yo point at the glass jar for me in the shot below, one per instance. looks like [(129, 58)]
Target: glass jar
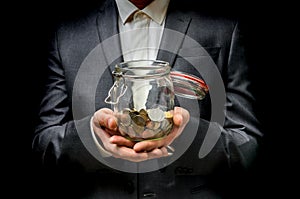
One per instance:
[(142, 98)]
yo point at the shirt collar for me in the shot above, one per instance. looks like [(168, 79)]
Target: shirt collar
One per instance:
[(156, 10)]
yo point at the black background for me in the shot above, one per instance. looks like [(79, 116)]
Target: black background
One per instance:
[(271, 38)]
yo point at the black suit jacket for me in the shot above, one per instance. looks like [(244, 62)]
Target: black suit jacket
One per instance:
[(66, 108)]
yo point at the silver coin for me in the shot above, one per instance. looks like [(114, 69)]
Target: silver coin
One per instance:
[(123, 130), (156, 115), (131, 132), (125, 119)]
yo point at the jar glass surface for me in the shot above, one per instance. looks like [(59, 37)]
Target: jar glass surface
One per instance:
[(143, 99)]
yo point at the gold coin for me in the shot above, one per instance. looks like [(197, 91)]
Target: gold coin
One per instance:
[(139, 120), (168, 115)]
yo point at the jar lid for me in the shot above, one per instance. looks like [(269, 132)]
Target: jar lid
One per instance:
[(188, 86)]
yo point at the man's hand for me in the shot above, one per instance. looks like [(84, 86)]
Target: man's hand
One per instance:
[(105, 126)]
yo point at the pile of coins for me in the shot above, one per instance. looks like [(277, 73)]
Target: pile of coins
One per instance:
[(144, 124)]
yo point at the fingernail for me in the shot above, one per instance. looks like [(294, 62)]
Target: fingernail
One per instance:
[(110, 124), (170, 154)]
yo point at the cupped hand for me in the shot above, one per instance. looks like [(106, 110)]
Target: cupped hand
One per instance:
[(180, 118), (105, 126)]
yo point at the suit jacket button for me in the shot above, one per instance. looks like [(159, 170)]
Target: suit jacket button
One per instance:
[(149, 194), (178, 170)]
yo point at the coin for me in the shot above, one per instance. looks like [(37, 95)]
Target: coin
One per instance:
[(131, 132), (143, 112), (153, 125), (133, 114), (156, 115), (125, 119), (123, 130), (139, 120), (145, 124), (138, 128), (164, 124), (159, 135), (148, 133), (168, 115)]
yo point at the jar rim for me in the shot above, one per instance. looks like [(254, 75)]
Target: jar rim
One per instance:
[(156, 68), (188, 85)]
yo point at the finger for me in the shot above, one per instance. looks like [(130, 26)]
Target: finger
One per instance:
[(105, 118), (158, 153), (165, 151), (97, 127), (181, 116), (104, 136), (177, 119), (148, 145), (129, 154), (121, 141)]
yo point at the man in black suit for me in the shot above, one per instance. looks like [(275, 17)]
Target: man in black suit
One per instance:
[(76, 135)]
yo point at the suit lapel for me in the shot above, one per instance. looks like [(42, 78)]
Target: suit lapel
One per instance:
[(176, 26), (107, 24)]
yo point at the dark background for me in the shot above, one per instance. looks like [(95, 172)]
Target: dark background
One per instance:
[(270, 29)]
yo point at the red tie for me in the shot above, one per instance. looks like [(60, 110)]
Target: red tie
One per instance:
[(140, 4)]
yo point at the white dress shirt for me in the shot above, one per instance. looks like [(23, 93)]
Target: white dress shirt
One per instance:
[(141, 30), (140, 35)]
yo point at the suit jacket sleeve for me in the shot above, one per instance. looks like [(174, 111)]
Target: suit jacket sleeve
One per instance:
[(56, 139), (241, 133), (242, 130)]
